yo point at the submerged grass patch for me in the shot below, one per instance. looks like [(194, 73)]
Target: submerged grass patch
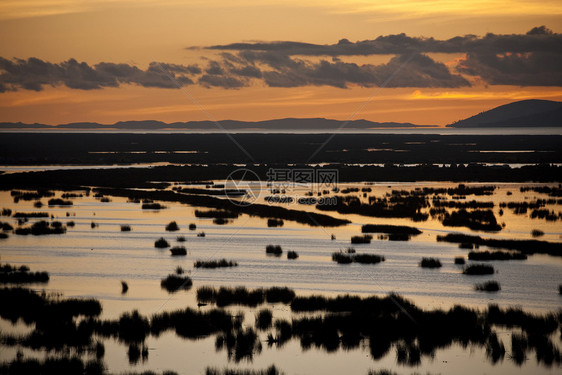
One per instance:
[(59, 202), (524, 246), (488, 286), (495, 255), (479, 269), (222, 263), (292, 254), (161, 243), (178, 251), (430, 263), (19, 275), (173, 283), (42, 228), (275, 250), (347, 258), (459, 260), (172, 226), (242, 296), (361, 239)]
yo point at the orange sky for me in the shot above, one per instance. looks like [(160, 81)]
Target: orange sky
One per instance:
[(139, 32)]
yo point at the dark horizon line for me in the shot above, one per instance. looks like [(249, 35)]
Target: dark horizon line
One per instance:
[(289, 123)]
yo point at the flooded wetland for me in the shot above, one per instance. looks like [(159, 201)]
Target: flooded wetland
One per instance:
[(168, 268)]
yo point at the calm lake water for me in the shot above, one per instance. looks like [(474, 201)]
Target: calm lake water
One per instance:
[(91, 262)]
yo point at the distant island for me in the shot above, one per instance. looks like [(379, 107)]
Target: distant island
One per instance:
[(277, 124), (524, 113)]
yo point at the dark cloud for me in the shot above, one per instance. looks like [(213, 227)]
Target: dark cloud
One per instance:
[(34, 74), (532, 69), (531, 59), (404, 71), (538, 39)]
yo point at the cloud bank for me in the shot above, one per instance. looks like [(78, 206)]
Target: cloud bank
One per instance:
[(34, 74), (531, 59)]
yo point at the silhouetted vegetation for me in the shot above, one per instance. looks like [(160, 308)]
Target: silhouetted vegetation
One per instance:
[(41, 228), (524, 246), (59, 202), (19, 275), (178, 251), (459, 260), (495, 255), (52, 365), (478, 269), (537, 233), (394, 206), (440, 203), (361, 239), (476, 220), (220, 221), (216, 214), (255, 209), (180, 239), (342, 258), (346, 258), (264, 319), (172, 226), (274, 223), (488, 286), (152, 206), (275, 250), (239, 344), (346, 321), (430, 263), (242, 296), (3, 236), (272, 370), (223, 263), (25, 215), (124, 287), (173, 283), (6, 226), (125, 228), (31, 195), (292, 254), (161, 243), (192, 226), (392, 229), (545, 214)]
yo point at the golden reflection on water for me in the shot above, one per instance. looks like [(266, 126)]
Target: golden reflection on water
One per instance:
[(91, 262)]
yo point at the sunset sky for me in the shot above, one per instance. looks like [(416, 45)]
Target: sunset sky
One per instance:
[(425, 62)]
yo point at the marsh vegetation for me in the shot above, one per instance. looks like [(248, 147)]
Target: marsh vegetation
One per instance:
[(161, 243), (274, 250), (222, 263), (173, 283)]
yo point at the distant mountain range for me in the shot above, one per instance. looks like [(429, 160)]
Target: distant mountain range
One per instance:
[(524, 113), (278, 124)]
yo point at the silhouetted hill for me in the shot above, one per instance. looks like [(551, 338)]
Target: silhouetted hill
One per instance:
[(524, 113), (277, 124)]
